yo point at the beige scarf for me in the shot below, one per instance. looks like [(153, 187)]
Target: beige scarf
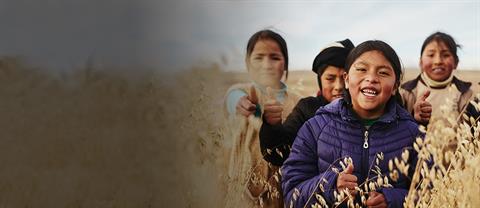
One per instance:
[(435, 84)]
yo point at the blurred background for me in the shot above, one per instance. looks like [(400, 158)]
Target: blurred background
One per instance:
[(119, 103), (172, 35)]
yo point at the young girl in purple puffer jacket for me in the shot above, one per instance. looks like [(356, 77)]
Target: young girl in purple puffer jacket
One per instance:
[(367, 122)]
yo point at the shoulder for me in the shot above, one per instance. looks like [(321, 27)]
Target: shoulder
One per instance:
[(411, 84), (406, 121), (334, 108), (326, 114), (313, 126), (311, 102), (462, 86), (402, 113), (307, 100), (240, 87), (236, 91)]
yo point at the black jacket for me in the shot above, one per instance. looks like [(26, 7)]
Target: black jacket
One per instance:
[(275, 141)]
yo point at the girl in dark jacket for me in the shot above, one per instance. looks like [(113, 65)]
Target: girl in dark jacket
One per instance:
[(276, 140), (364, 124)]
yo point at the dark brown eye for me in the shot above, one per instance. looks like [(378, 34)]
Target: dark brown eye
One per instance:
[(361, 69)]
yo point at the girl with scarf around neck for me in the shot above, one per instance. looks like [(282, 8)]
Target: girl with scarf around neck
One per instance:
[(424, 95)]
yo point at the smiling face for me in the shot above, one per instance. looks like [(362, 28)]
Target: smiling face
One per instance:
[(371, 82), (332, 83), (437, 61), (266, 63)]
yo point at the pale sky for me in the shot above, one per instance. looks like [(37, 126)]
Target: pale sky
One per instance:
[(177, 35)]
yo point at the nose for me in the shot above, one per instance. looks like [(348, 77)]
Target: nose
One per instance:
[(371, 77), (267, 64), (338, 85), (437, 59)]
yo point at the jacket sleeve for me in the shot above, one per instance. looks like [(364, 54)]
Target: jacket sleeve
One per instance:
[(300, 173), (396, 196), (232, 99), (279, 138)]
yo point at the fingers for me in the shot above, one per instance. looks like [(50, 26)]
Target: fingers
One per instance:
[(346, 179), (253, 95), (422, 110), (349, 169), (273, 107), (425, 110), (350, 186), (245, 106), (424, 105), (424, 95), (273, 113), (244, 112), (376, 200)]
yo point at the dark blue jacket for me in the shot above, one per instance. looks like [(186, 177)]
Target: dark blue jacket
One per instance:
[(335, 132)]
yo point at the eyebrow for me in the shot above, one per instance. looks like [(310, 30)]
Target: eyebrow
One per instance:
[(361, 62), (268, 53), (381, 66), (443, 50)]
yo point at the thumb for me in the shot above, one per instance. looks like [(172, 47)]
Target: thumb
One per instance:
[(253, 95), (424, 96), (349, 169)]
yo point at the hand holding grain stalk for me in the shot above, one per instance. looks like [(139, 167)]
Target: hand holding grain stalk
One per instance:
[(272, 111), (246, 106), (422, 109), (376, 200), (346, 180)]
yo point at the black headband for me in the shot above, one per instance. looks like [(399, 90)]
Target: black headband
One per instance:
[(334, 55)]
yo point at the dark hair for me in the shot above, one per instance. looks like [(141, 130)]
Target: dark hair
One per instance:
[(268, 34), (332, 55), (388, 53), (320, 71), (444, 38)]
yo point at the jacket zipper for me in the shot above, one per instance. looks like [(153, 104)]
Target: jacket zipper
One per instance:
[(365, 143), (365, 158)]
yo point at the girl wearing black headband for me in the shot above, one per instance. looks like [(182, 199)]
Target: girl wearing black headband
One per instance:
[(275, 140)]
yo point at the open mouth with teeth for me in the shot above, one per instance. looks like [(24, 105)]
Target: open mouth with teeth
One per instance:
[(337, 96), (438, 70), (369, 92)]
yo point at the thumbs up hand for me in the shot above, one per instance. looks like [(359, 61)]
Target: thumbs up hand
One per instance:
[(346, 180), (246, 106), (272, 109), (422, 109)]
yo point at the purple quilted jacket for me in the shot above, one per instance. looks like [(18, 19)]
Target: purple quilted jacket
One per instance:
[(334, 132)]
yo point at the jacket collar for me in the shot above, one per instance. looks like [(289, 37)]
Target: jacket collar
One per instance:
[(322, 100), (461, 85), (339, 107)]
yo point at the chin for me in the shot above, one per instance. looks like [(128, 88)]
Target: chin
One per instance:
[(268, 84), (439, 77), (369, 107)]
